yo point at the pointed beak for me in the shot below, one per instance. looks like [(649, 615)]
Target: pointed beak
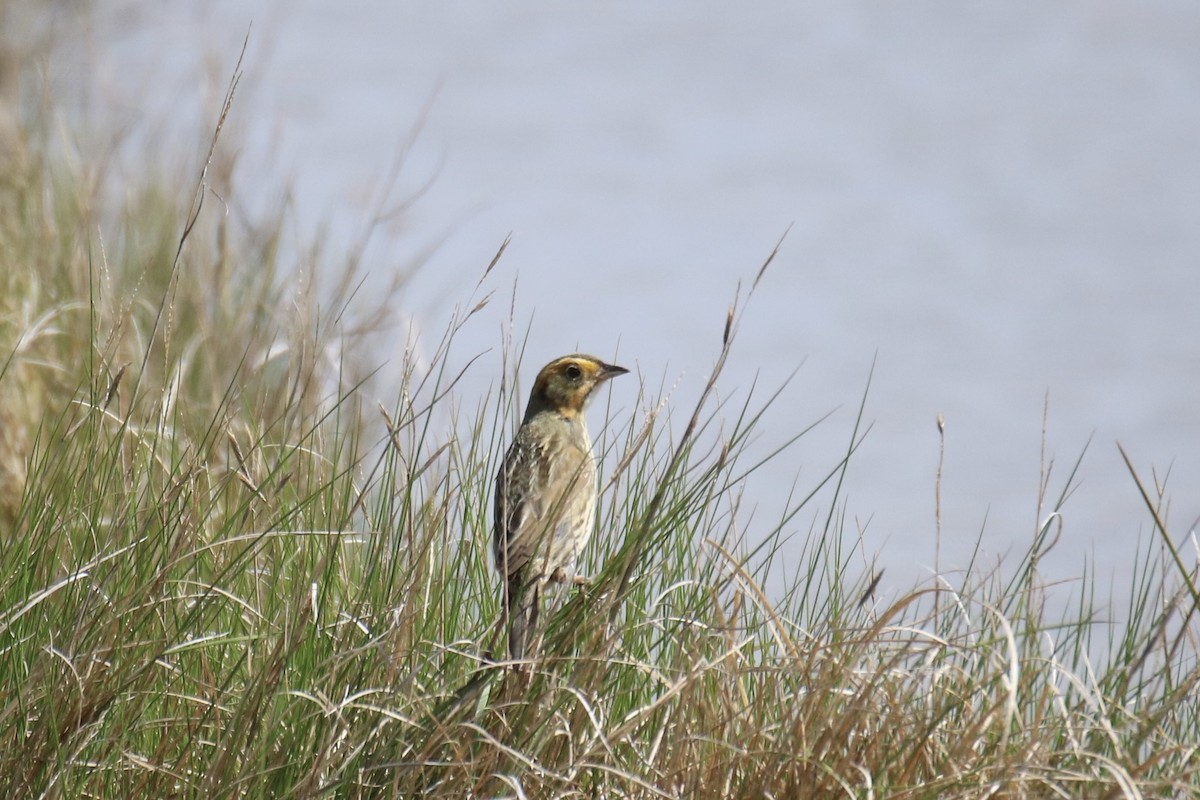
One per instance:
[(608, 371)]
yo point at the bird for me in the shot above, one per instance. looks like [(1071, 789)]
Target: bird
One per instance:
[(545, 500)]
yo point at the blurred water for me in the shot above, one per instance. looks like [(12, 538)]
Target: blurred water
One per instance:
[(994, 202)]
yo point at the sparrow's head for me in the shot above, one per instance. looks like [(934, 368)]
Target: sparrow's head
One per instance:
[(565, 384)]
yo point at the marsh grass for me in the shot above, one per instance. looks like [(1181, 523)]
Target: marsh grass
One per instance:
[(224, 573)]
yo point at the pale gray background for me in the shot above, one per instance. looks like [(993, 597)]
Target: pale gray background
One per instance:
[(1000, 199)]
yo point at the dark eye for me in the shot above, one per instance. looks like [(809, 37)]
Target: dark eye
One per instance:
[(574, 372)]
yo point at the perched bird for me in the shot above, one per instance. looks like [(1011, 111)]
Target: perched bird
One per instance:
[(546, 491)]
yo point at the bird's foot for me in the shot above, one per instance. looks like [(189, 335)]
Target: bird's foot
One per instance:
[(562, 576)]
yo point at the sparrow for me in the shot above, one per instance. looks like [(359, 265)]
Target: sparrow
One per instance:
[(545, 502)]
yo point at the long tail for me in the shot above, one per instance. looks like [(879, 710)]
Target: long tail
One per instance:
[(521, 603)]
